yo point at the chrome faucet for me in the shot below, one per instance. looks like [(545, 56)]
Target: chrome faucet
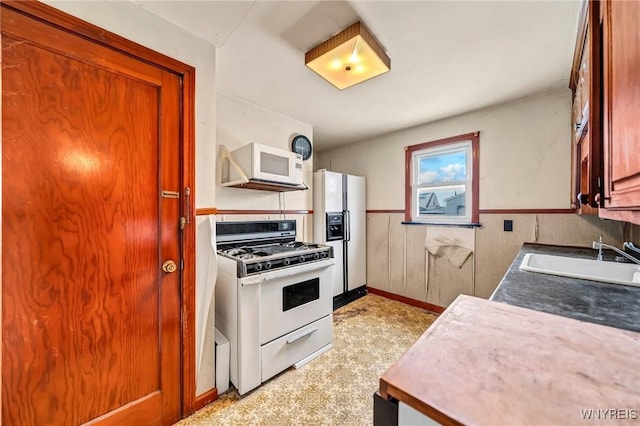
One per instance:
[(598, 245)]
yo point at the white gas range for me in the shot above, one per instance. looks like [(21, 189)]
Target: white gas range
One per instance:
[(273, 299)]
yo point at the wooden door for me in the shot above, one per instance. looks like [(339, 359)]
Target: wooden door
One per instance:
[(621, 49), (90, 322)]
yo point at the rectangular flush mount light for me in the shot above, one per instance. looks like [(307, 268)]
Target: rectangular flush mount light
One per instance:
[(350, 57)]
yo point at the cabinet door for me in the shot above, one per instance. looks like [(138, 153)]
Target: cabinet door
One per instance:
[(621, 50), (586, 111), (584, 172)]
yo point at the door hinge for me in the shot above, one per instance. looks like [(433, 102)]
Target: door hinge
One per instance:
[(181, 264), (183, 222)]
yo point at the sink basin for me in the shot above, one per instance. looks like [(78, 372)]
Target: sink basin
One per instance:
[(586, 269)]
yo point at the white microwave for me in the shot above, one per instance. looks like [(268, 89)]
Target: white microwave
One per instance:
[(266, 163)]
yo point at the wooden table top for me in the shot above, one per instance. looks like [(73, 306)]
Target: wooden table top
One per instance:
[(490, 363)]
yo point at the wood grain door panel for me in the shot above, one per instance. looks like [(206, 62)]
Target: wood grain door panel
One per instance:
[(90, 324)]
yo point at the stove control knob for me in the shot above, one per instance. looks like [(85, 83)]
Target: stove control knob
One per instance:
[(267, 265), (316, 256), (325, 254), (258, 267), (286, 262), (302, 258)]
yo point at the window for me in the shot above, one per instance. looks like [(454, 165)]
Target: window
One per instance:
[(442, 181)]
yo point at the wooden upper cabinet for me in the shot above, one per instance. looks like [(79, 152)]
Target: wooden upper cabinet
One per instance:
[(621, 110), (586, 165)]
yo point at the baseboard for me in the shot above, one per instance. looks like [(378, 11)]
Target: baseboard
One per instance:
[(424, 305), (348, 297), (205, 399)]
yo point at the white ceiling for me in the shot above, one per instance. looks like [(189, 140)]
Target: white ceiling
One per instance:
[(447, 57)]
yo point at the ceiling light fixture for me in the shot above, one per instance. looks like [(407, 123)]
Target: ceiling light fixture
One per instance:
[(348, 58)]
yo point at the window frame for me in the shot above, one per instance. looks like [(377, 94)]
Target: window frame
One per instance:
[(410, 173)]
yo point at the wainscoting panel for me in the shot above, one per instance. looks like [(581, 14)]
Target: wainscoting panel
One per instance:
[(416, 266), (397, 248), (634, 234), (496, 249), (378, 251), (446, 281), (397, 260), (577, 230)]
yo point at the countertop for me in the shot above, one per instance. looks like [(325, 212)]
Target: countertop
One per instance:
[(607, 304), (484, 362)]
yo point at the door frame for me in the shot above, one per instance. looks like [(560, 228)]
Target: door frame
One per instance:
[(76, 26)]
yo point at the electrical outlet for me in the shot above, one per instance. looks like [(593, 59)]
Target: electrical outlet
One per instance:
[(508, 225)]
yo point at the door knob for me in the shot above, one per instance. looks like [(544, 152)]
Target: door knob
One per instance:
[(169, 266)]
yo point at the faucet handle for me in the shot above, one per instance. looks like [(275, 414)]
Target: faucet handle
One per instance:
[(598, 246)]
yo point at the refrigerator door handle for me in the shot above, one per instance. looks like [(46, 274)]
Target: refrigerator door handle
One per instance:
[(348, 225), (345, 225)]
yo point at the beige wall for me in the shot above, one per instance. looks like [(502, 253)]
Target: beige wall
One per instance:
[(524, 164), (524, 154), (240, 123)]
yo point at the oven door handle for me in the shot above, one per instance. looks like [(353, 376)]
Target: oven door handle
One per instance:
[(285, 272), (256, 279), (306, 333)]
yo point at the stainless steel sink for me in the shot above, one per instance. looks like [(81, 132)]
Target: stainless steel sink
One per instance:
[(586, 269)]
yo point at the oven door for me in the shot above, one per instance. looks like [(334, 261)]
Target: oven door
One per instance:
[(291, 298)]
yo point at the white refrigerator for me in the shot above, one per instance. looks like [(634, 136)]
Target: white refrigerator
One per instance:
[(340, 221)]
